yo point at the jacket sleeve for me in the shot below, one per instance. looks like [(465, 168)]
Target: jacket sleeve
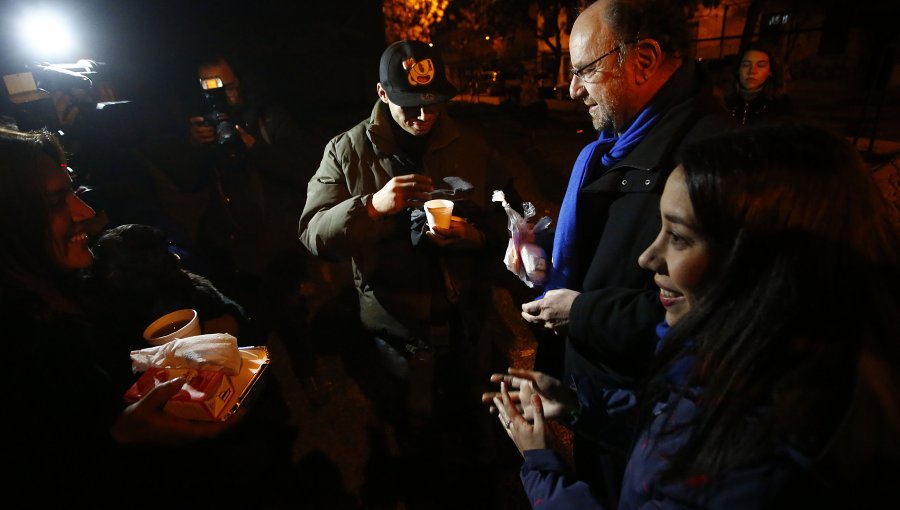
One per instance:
[(618, 324), (549, 485), (603, 412), (607, 415), (334, 221)]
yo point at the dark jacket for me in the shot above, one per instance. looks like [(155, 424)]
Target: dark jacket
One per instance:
[(779, 480), (611, 330), (758, 108), (61, 402)]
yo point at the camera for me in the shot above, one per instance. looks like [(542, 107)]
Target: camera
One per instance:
[(217, 112), (31, 106), (30, 101), (96, 136)]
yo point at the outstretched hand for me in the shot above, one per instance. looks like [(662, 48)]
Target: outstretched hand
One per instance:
[(146, 421), (525, 435), (557, 398)]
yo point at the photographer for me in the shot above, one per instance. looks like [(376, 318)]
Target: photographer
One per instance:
[(245, 152)]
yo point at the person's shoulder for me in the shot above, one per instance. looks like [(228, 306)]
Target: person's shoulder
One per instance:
[(698, 115), (710, 114), (461, 133), (469, 136), (781, 104), (352, 137), (710, 124), (732, 99), (206, 290)]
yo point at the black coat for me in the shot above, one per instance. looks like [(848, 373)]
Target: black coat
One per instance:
[(612, 322)]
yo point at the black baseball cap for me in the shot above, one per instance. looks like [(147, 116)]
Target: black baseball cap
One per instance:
[(412, 74)]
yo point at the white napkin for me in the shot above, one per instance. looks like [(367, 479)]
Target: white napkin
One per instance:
[(215, 351)]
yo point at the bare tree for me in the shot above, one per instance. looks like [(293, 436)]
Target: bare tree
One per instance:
[(412, 19)]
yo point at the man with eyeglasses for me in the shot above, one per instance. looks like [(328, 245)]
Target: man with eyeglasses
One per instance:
[(646, 98), (423, 293)]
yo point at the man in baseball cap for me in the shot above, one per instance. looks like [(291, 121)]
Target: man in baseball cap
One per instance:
[(414, 85), (412, 74), (417, 288)]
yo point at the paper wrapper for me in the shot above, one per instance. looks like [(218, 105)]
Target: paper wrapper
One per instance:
[(215, 352)]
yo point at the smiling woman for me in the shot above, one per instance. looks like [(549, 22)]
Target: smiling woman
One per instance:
[(43, 218), (69, 407), (680, 254), (768, 389)]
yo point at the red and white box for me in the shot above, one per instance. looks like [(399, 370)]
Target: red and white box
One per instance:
[(205, 395), (208, 395)]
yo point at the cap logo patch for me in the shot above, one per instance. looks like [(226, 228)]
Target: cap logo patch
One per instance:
[(419, 73)]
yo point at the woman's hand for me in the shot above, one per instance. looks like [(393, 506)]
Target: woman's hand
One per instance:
[(146, 421), (527, 436), (558, 400)]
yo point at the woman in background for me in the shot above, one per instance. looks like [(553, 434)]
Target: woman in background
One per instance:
[(758, 95)]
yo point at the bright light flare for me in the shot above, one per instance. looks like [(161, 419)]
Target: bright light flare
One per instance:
[(46, 34)]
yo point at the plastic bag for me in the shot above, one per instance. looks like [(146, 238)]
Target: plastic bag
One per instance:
[(523, 257)]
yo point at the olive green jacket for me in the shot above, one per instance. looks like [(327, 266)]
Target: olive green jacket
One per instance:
[(404, 286)]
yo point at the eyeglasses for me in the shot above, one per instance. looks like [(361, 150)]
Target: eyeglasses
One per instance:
[(586, 71)]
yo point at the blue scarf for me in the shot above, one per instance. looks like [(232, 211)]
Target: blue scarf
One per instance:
[(599, 156)]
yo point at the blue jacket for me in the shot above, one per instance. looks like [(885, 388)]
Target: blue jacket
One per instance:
[(549, 482)]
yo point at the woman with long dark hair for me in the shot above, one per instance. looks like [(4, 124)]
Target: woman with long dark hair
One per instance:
[(777, 380), (758, 94), (71, 437)]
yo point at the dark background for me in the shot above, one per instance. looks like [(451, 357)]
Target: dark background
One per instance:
[(315, 57)]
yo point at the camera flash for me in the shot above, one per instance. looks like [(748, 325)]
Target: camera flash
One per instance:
[(211, 83)]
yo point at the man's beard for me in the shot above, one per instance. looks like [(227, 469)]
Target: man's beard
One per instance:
[(605, 121), (608, 107)]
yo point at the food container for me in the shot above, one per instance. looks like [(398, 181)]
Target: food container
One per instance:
[(207, 395)]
